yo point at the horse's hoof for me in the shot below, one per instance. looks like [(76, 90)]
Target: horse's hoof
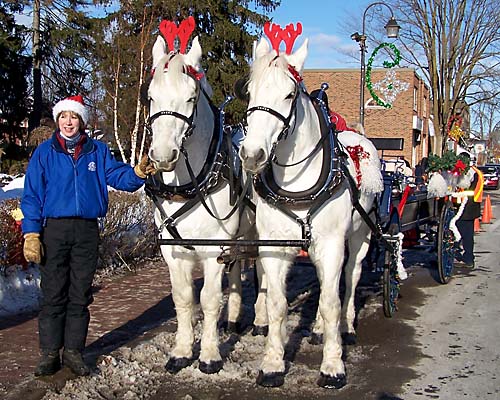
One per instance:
[(349, 338), (233, 327), (274, 379), (260, 330), (175, 364), (332, 382), (316, 339), (210, 368)]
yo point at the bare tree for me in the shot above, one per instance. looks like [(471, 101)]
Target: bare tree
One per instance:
[(485, 117), (456, 45)]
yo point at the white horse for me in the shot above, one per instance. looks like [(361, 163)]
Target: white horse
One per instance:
[(282, 135), (184, 124)]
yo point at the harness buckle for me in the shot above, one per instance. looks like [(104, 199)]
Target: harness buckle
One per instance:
[(305, 224)]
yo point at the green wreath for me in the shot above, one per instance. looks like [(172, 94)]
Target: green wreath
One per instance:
[(386, 64)]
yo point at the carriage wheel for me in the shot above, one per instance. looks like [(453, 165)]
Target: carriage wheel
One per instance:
[(390, 279), (445, 244)]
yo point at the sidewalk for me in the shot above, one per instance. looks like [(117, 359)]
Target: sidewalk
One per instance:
[(124, 309)]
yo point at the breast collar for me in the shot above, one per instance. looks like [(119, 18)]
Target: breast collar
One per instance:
[(329, 180)]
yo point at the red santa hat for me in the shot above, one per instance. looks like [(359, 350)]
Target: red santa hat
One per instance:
[(74, 104)]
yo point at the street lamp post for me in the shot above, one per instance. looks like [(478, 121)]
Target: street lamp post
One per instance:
[(392, 30)]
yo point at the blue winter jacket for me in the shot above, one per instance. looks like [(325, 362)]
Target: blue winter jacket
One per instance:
[(58, 186)]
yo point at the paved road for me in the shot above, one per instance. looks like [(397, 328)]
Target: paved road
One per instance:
[(442, 343)]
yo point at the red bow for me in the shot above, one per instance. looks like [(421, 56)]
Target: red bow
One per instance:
[(459, 168)]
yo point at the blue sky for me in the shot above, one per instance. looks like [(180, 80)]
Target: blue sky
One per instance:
[(328, 24)]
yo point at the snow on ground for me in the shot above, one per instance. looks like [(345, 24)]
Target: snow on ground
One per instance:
[(139, 372), (13, 189), (19, 290)]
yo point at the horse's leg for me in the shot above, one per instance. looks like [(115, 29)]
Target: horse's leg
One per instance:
[(211, 299), (272, 369), (234, 300), (182, 294), (329, 266), (358, 243), (317, 331), (260, 324)]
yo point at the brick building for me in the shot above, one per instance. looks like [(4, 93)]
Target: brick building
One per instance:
[(408, 118)]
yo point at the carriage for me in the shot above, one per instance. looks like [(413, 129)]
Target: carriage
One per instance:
[(406, 210), (315, 189)]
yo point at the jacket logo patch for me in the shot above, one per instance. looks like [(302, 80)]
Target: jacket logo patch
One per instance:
[(92, 166)]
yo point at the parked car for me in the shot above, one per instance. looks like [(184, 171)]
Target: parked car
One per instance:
[(491, 176)]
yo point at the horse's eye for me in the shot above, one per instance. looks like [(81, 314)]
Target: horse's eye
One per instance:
[(290, 96), (192, 99)]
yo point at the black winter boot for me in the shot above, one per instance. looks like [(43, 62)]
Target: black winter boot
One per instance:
[(74, 361), (49, 364)]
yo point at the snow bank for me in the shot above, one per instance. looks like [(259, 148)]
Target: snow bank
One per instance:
[(19, 290), (13, 189)]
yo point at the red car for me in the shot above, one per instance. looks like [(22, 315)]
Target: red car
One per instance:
[(491, 176)]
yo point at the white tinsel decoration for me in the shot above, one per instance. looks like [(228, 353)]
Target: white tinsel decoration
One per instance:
[(390, 87), (401, 269), (371, 177), (453, 225), (438, 187), (464, 181)]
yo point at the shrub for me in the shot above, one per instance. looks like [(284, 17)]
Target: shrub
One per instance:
[(128, 233), (11, 237)]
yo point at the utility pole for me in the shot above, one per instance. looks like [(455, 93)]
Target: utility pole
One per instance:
[(36, 114)]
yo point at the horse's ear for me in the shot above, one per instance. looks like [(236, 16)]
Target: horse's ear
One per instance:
[(298, 58), (159, 50), (241, 89), (262, 48), (193, 56)]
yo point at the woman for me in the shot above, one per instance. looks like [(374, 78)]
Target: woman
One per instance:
[(65, 191)]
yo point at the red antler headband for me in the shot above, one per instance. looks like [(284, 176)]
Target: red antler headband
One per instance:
[(276, 34), (170, 31)]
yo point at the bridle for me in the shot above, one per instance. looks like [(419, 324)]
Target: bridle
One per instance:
[(188, 120), (285, 120)]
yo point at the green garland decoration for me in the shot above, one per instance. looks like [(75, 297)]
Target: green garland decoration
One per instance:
[(386, 64), (446, 162)]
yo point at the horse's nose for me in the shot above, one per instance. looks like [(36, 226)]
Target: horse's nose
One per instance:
[(173, 156), (252, 159)]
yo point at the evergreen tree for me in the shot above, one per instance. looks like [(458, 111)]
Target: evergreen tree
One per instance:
[(14, 69)]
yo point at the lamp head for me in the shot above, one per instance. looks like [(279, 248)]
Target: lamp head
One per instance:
[(392, 28)]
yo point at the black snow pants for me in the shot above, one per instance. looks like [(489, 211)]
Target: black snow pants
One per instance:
[(466, 229), (67, 272)]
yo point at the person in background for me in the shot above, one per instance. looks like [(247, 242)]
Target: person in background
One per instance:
[(472, 210), (65, 191)]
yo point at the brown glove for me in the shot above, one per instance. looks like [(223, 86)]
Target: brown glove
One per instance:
[(144, 168), (33, 250)]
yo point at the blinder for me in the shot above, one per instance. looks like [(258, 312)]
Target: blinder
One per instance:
[(144, 97), (241, 89)]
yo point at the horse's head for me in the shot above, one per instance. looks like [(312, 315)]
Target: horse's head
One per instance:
[(273, 91), (173, 95)]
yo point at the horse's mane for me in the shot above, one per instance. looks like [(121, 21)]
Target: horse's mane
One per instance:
[(177, 69), (261, 66)]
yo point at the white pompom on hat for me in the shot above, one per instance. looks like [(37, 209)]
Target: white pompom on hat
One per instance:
[(74, 104)]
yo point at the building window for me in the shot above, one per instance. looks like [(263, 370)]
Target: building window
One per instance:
[(415, 99), (425, 107)]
